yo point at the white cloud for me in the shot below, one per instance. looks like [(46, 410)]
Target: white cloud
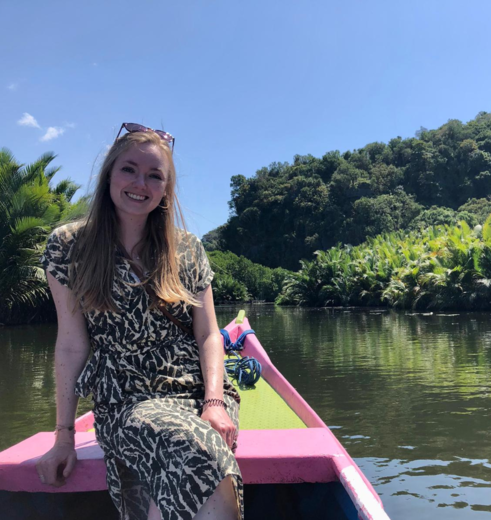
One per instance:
[(52, 133), (12, 86), (28, 120)]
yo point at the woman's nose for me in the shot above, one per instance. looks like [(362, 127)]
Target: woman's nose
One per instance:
[(140, 180)]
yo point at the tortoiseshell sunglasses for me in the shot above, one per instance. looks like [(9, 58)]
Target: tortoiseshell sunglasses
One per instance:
[(134, 127)]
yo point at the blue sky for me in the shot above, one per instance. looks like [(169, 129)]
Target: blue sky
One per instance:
[(239, 84)]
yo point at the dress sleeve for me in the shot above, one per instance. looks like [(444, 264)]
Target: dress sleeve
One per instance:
[(55, 258), (205, 274)]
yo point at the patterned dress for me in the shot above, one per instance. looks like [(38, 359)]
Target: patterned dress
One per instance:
[(147, 386)]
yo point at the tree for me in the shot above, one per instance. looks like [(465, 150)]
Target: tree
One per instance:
[(236, 183), (286, 211), (385, 178), (259, 282), (382, 214), (29, 209), (481, 208), (439, 216), (212, 241), (330, 163), (348, 182)]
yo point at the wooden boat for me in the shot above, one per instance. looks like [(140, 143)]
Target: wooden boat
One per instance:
[(292, 465)]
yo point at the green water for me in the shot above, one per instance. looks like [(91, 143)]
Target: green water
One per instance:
[(408, 395)]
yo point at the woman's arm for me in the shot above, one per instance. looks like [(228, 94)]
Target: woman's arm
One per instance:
[(71, 352), (210, 345)]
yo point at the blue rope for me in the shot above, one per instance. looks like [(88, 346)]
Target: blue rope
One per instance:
[(239, 344), (246, 370)]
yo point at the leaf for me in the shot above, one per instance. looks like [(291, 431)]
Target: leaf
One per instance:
[(486, 230)]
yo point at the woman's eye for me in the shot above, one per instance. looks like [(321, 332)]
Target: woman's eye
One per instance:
[(156, 176), (128, 169)]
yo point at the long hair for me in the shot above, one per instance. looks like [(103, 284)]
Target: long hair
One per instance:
[(93, 258)]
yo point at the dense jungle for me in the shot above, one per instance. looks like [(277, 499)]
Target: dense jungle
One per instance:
[(286, 212), (400, 224)]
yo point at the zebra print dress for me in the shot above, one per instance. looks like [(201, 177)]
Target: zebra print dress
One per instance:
[(147, 387)]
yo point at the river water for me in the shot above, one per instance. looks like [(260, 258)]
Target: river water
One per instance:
[(407, 394)]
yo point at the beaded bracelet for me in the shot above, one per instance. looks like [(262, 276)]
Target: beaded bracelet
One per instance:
[(214, 402)]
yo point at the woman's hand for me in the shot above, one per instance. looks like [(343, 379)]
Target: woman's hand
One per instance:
[(221, 422), (55, 466)]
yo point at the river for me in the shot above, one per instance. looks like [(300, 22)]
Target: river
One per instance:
[(407, 394)]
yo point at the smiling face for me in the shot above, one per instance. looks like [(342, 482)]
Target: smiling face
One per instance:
[(138, 180)]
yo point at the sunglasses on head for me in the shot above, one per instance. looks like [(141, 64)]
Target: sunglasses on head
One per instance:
[(134, 127)]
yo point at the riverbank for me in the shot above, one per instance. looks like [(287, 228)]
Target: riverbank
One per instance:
[(438, 268)]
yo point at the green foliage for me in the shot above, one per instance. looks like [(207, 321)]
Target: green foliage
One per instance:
[(480, 208), (212, 241), (385, 213), (226, 289), (239, 279), (385, 178), (29, 209), (75, 211), (440, 267), (277, 207), (285, 212), (486, 231), (439, 216)]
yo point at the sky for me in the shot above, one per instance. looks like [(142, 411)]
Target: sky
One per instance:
[(239, 84)]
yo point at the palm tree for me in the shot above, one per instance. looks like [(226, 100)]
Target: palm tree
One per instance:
[(29, 209)]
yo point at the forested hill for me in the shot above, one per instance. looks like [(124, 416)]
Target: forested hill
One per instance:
[(285, 212)]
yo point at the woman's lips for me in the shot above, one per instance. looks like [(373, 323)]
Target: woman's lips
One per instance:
[(135, 197)]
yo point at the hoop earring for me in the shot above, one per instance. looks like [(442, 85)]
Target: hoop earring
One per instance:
[(164, 205)]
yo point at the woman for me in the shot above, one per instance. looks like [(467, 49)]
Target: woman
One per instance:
[(129, 284)]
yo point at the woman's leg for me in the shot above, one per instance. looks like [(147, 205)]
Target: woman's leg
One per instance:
[(222, 505), (153, 512)]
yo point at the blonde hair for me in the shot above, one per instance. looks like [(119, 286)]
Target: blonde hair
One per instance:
[(93, 260)]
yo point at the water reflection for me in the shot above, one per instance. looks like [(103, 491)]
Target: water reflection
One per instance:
[(408, 395), (27, 384)]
